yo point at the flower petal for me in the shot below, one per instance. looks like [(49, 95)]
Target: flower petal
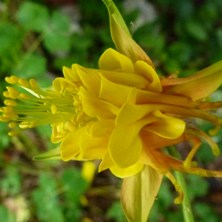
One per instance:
[(95, 107), (150, 74), (166, 127), (80, 145), (70, 146), (114, 93), (115, 61), (197, 86), (128, 171), (89, 77), (125, 146)]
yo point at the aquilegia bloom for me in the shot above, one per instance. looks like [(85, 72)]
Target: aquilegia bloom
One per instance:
[(121, 113)]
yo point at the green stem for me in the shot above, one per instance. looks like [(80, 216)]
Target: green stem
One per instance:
[(186, 206)]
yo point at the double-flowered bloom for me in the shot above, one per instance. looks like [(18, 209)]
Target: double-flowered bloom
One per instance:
[(122, 113)]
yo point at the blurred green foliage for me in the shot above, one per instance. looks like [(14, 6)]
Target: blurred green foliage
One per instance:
[(37, 38)]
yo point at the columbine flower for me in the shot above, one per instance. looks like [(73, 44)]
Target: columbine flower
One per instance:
[(123, 114)]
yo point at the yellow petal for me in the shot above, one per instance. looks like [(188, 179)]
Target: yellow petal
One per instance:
[(115, 61), (89, 77), (82, 146), (197, 86), (114, 93), (70, 146), (107, 163), (121, 36), (139, 192), (150, 74), (92, 147), (102, 128), (130, 113), (166, 126), (128, 171), (95, 107), (125, 145)]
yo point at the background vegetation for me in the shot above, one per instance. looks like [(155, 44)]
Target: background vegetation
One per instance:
[(37, 38)]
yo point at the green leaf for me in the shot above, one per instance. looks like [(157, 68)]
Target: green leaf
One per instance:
[(115, 212), (45, 199), (31, 66), (10, 38), (33, 16), (58, 33), (75, 187), (11, 183), (4, 213), (139, 193), (74, 183), (196, 30)]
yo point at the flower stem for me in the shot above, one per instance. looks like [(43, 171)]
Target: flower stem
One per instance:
[(186, 206)]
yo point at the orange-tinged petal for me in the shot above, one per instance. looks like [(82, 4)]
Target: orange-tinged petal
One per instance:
[(115, 61), (153, 141), (197, 86), (139, 192)]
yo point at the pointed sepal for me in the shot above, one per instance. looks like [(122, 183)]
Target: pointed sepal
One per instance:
[(139, 193), (122, 37), (53, 154)]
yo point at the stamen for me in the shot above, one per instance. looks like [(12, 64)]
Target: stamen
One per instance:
[(210, 105), (178, 188), (188, 161), (201, 134)]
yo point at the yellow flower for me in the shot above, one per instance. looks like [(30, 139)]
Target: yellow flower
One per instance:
[(121, 113)]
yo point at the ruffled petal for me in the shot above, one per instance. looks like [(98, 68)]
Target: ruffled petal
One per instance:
[(128, 171), (80, 145), (166, 126), (120, 172), (125, 146), (102, 128), (95, 107), (115, 93), (150, 74), (115, 61), (89, 78), (70, 146)]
